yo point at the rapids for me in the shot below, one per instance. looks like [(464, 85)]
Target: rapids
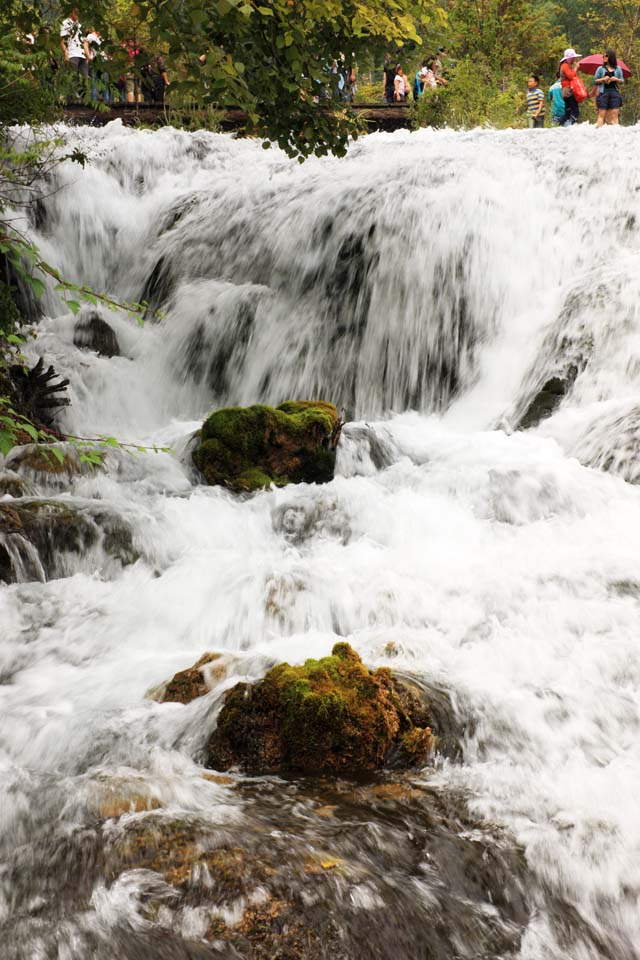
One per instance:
[(429, 284)]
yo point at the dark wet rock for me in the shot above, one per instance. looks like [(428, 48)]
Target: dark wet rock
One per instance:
[(332, 714), (249, 448), (545, 401), (93, 333), (37, 537), (157, 288), (565, 353)]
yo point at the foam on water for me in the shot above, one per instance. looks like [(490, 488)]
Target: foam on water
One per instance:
[(439, 273)]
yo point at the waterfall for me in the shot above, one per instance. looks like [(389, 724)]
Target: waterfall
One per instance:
[(443, 289)]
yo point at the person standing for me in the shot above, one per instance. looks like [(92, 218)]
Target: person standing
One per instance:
[(438, 66), (609, 79), (95, 60), (418, 82), (72, 44), (158, 80), (557, 102), (399, 88), (535, 102), (567, 76), (389, 76)]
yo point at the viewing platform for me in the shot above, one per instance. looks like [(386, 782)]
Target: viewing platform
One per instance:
[(377, 116)]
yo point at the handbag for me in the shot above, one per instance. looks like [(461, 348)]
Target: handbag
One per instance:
[(579, 90)]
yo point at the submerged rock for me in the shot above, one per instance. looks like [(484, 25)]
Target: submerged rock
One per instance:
[(50, 464), (249, 448), (37, 537), (13, 485), (375, 870), (332, 715), (610, 440), (94, 333)]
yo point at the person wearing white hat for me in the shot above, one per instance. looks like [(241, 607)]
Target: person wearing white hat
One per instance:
[(567, 76)]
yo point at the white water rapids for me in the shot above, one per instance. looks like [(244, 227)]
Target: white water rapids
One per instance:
[(428, 284)]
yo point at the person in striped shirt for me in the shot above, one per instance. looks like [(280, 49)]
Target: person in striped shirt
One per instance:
[(535, 102)]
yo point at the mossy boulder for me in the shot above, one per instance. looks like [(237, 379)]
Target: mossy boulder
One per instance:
[(249, 448), (329, 715)]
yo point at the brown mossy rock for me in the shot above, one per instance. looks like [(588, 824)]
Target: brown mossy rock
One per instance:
[(329, 715), (194, 682), (249, 448)]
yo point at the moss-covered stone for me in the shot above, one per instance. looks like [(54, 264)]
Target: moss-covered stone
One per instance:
[(249, 448), (332, 714), (194, 682)]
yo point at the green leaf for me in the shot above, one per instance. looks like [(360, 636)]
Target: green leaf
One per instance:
[(7, 441), (37, 286), (31, 430), (73, 305)]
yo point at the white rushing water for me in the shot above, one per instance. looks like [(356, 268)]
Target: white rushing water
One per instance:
[(429, 284)]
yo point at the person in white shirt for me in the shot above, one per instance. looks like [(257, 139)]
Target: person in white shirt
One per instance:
[(72, 43), (399, 86)]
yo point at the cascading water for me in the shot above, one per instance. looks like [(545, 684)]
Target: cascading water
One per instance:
[(431, 285)]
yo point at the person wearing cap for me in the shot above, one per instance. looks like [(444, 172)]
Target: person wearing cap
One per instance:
[(567, 76)]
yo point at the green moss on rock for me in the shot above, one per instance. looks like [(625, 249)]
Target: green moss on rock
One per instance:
[(249, 448), (332, 715)]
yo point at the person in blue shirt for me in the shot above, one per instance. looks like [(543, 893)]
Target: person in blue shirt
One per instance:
[(557, 102), (609, 79)]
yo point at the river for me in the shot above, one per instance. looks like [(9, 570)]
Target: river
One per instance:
[(429, 284)]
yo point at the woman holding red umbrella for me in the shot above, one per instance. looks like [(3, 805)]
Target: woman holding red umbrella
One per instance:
[(609, 79)]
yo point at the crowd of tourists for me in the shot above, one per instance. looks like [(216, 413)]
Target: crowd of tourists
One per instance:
[(562, 101), (569, 91), (85, 53), (146, 78), (397, 87)]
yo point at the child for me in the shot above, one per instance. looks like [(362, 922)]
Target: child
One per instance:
[(535, 102), (557, 102)]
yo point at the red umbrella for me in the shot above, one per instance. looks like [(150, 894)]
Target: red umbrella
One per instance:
[(591, 64)]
